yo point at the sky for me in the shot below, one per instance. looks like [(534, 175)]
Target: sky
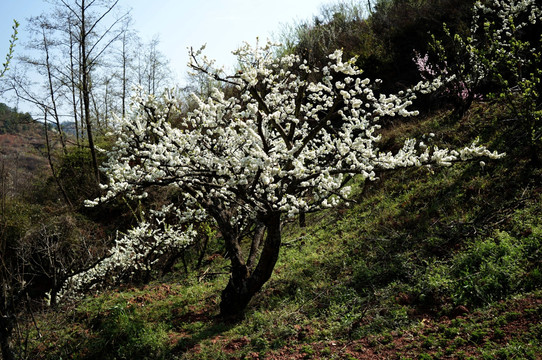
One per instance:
[(220, 24)]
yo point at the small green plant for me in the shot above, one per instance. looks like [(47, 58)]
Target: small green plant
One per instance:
[(515, 350), (308, 351), (459, 341), (325, 351), (451, 332), (259, 344), (534, 278), (460, 354), (277, 343), (477, 336), (498, 334), (501, 320), (123, 334), (386, 338), (489, 270), (428, 342), (512, 315), (535, 331)]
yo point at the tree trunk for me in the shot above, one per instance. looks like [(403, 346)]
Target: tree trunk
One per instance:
[(236, 296), (52, 93), (302, 219), (6, 327), (124, 80), (243, 284), (85, 70), (534, 141), (73, 82)]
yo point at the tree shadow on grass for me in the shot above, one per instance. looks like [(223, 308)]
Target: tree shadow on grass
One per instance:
[(195, 328)]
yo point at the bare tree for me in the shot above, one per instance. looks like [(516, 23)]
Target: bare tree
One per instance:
[(124, 57), (93, 43), (74, 75), (74, 40), (153, 72)]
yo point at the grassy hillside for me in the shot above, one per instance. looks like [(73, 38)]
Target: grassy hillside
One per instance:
[(426, 263)]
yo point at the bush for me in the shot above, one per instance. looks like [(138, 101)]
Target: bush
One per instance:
[(76, 174), (124, 335), (488, 271)]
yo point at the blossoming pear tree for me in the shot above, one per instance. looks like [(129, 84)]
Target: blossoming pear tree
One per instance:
[(287, 142)]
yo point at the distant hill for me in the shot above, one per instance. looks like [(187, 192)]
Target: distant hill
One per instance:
[(12, 122), (69, 127), (22, 148)]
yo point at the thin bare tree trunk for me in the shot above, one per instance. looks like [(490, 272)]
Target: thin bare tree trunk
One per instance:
[(52, 92), (86, 92), (49, 158), (73, 88), (124, 64)]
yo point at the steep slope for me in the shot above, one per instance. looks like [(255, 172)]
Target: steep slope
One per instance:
[(418, 266), (22, 149)]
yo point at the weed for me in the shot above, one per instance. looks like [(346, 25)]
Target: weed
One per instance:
[(428, 342), (498, 334), (325, 351), (514, 350), (308, 351), (487, 271), (477, 336), (535, 331), (124, 335), (451, 332), (513, 315), (501, 320), (459, 341), (386, 338), (259, 344)]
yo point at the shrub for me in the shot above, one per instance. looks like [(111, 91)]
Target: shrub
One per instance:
[(76, 174), (123, 334), (488, 270)]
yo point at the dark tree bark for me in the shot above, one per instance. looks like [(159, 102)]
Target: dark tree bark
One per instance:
[(202, 250), (85, 70), (302, 219), (244, 283), (6, 328)]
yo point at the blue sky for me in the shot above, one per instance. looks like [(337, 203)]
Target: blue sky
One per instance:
[(221, 24)]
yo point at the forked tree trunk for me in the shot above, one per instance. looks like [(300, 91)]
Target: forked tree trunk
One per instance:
[(244, 284)]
